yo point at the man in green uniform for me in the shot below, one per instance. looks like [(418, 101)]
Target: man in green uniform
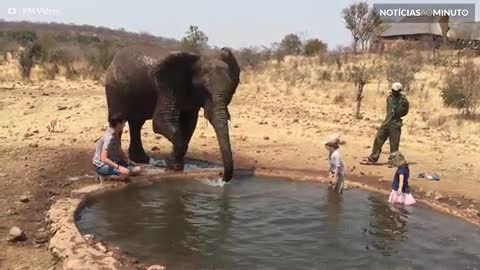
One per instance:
[(391, 128)]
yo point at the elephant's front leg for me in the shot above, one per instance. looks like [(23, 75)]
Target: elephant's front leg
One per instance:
[(186, 127), (179, 133)]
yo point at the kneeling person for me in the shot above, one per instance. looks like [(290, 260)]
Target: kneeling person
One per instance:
[(109, 158)]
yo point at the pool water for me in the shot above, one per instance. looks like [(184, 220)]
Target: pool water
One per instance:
[(255, 223)]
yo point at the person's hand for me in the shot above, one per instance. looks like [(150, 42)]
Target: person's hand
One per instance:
[(399, 192), (123, 170), (136, 169)]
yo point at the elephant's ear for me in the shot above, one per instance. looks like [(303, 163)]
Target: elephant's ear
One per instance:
[(227, 56), (175, 70), (172, 77)]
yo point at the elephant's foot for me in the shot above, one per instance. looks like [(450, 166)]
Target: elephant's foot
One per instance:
[(175, 165), (139, 157)]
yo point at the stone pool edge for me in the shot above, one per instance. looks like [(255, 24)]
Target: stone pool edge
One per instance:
[(74, 252)]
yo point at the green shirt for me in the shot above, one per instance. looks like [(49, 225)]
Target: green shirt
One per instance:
[(397, 107)]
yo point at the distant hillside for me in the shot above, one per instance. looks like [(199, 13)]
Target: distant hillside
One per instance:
[(67, 32), (77, 51)]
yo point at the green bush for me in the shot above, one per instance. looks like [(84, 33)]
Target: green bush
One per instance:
[(291, 45), (314, 47), (101, 57), (23, 37), (30, 56), (461, 89)]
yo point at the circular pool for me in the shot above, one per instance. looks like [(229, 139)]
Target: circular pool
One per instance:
[(259, 223)]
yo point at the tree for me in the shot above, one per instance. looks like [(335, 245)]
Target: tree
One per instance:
[(194, 40), (360, 75), (30, 56), (462, 88), (291, 44), (402, 67), (23, 37), (314, 47), (362, 21), (249, 57)]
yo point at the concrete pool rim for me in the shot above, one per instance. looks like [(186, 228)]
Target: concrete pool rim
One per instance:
[(76, 251)]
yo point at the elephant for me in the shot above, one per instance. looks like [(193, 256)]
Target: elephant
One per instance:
[(146, 82)]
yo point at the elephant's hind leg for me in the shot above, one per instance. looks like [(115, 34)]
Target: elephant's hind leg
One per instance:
[(136, 151)]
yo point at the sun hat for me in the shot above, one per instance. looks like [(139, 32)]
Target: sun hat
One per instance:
[(397, 86), (332, 139)]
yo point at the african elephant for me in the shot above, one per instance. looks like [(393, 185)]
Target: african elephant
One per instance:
[(170, 87)]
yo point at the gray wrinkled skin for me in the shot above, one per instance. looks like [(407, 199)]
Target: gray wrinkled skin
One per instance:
[(170, 87)]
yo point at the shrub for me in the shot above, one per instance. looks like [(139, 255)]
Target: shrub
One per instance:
[(26, 63), (23, 37), (339, 76), (291, 44), (325, 75), (50, 70), (100, 58), (29, 57), (339, 98), (314, 47), (71, 73), (249, 58), (461, 89), (360, 75), (53, 60), (437, 121), (402, 68)]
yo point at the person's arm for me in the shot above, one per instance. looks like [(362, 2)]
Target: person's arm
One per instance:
[(104, 155), (400, 184), (403, 108), (106, 160), (126, 158)]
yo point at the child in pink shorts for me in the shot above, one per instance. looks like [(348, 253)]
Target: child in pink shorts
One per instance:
[(400, 190)]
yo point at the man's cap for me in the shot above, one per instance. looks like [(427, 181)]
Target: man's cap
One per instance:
[(397, 86)]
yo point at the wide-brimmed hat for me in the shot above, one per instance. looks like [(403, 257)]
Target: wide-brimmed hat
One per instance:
[(398, 159), (332, 139)]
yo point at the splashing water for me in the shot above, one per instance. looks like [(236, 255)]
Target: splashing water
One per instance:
[(217, 182)]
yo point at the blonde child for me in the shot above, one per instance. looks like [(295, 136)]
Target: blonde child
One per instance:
[(400, 190)]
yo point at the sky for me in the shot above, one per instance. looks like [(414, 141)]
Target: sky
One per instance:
[(239, 23)]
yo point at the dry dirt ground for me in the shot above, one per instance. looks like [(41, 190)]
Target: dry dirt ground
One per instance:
[(271, 127)]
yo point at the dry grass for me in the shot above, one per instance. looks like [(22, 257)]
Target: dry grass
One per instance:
[(325, 84)]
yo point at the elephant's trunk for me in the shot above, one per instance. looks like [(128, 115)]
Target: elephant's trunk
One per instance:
[(219, 120)]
